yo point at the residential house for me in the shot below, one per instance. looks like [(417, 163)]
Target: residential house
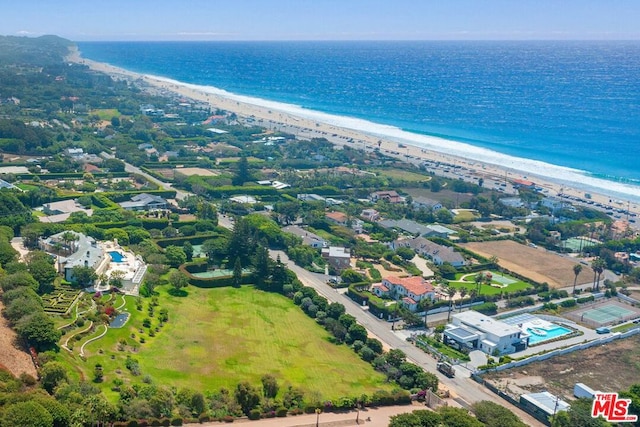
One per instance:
[(339, 218), (409, 290), (5, 184), (62, 210), (81, 252), (310, 197), (435, 230), (407, 225), (471, 330), (438, 254), (144, 202), (308, 238), (420, 202), (338, 257), (74, 153), (370, 215), (512, 202), (388, 196)]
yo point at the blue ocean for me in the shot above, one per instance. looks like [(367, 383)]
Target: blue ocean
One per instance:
[(575, 105)]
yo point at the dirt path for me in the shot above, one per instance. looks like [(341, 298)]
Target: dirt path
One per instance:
[(370, 417), (15, 360)]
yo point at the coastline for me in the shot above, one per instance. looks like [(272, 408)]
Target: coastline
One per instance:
[(416, 148)]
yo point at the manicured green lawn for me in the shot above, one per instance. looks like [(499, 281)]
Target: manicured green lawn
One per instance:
[(466, 280), (401, 174), (219, 337)]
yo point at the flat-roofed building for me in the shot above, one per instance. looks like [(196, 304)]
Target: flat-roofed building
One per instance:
[(471, 330)]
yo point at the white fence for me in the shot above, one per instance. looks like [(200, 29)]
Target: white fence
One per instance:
[(577, 347)]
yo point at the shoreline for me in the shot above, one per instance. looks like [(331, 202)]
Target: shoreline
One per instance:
[(416, 148)]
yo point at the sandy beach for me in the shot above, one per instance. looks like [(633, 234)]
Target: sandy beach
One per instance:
[(269, 116)]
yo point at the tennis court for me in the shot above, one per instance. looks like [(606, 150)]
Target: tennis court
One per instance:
[(605, 313)]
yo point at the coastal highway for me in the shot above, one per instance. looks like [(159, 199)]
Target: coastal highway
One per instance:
[(463, 389)]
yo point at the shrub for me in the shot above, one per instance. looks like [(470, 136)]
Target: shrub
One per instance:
[(227, 419), (176, 421), (281, 412), (568, 303), (254, 414), (204, 418)]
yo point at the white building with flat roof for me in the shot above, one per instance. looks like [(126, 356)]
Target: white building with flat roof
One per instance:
[(472, 330)]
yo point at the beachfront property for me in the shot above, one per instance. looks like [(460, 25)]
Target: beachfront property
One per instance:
[(471, 330), (308, 238), (144, 202), (338, 257), (408, 290), (438, 254)]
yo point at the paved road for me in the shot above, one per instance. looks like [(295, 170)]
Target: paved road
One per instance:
[(467, 390), (164, 185)]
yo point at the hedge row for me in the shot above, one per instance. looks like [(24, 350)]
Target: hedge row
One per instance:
[(194, 240), (213, 282)]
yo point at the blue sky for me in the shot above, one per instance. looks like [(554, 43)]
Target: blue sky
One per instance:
[(82, 20)]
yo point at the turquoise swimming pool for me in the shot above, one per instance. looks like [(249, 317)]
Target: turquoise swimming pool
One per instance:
[(116, 256), (539, 335)]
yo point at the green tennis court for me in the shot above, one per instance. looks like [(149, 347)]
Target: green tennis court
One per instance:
[(606, 314)]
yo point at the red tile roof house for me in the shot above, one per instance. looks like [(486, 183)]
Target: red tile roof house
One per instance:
[(411, 290), (337, 217), (389, 196)]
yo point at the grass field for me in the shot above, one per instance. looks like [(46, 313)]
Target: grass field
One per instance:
[(401, 174), (219, 337), (106, 113), (466, 280)]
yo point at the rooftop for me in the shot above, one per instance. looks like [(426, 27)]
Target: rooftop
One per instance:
[(547, 402), (486, 324), (414, 284)]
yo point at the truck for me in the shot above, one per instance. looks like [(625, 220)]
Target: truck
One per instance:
[(446, 368)]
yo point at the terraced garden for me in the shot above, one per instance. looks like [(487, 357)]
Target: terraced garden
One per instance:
[(60, 300)]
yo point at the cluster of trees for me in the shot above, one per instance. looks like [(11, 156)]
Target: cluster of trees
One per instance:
[(487, 414), (21, 284)]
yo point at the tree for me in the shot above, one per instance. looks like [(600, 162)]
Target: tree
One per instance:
[(83, 276), (262, 264), (237, 273), (52, 375), (425, 304), (27, 414), (577, 268), (215, 248), (457, 417), (7, 253), (269, 386), (18, 280), (115, 278), (405, 253), (451, 292), (463, 293), (247, 397), (494, 415), (187, 247), (242, 174), (41, 267), (178, 280), (39, 331), (20, 307), (598, 265), (175, 256)]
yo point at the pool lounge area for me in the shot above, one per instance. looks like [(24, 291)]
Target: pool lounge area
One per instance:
[(538, 330), (117, 256)]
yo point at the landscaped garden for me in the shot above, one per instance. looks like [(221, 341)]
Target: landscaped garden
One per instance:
[(488, 282), (60, 300), (219, 337)]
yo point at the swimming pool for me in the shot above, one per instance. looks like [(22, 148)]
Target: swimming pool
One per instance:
[(539, 335), (117, 256)]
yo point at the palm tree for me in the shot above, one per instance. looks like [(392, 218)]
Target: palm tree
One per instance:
[(598, 266), (68, 237), (478, 278), (463, 293), (451, 292), (577, 268), (425, 304)]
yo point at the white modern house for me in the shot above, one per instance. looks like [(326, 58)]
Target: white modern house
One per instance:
[(471, 330)]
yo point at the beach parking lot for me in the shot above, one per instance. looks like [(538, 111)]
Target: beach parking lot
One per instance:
[(534, 263)]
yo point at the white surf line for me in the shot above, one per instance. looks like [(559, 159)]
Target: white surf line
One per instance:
[(93, 339)]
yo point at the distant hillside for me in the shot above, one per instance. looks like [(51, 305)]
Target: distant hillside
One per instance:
[(29, 51)]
